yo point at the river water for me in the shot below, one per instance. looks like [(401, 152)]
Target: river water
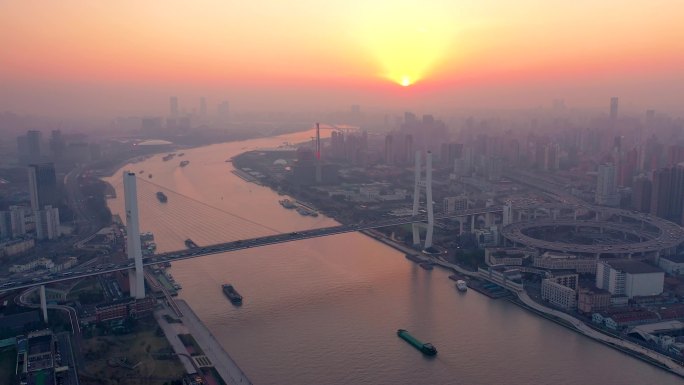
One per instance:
[(326, 310)]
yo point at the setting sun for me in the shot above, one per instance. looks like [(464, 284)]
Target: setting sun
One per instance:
[(405, 81)]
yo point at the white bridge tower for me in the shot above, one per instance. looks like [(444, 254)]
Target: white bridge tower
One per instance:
[(136, 277), (428, 199)]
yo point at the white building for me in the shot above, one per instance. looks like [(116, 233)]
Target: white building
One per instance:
[(47, 223), (561, 291), (672, 264), (457, 203), (606, 189), (629, 278)]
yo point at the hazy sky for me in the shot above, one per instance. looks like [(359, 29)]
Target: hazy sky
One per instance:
[(105, 57)]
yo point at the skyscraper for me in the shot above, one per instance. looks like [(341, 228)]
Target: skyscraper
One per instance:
[(33, 144), (614, 107), (667, 194), (42, 186), (606, 192), (389, 150), (47, 223), (173, 106)]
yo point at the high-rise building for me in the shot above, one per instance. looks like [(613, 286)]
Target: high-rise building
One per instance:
[(43, 186), (389, 150), (606, 191), (17, 221), (614, 107), (667, 193), (56, 144), (47, 223), (5, 225), (173, 106), (641, 194)]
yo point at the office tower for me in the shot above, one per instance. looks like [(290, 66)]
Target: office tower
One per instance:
[(389, 150), (173, 106), (641, 194), (606, 192), (667, 193), (408, 148), (614, 107), (203, 106), (33, 144), (43, 186)]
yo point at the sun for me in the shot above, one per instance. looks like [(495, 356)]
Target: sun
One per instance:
[(405, 81)]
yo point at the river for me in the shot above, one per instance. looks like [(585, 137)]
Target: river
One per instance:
[(326, 310)]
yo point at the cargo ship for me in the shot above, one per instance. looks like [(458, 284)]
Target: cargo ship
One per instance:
[(425, 348), (162, 197), (184, 163), (190, 244), (232, 294)]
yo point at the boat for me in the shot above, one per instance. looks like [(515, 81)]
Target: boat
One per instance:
[(184, 163), (461, 285), (288, 204), (302, 211), (426, 265), (232, 294), (190, 244), (425, 348), (162, 197), (181, 154), (150, 176), (168, 157)]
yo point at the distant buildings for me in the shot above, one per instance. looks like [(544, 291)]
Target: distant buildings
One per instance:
[(173, 106), (606, 189), (614, 107), (590, 300), (667, 193), (629, 278)]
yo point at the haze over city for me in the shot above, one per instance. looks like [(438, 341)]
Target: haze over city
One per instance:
[(99, 59)]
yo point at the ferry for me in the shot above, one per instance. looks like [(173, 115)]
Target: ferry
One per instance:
[(184, 163), (303, 211), (425, 348), (150, 176), (232, 294), (461, 285), (162, 197)]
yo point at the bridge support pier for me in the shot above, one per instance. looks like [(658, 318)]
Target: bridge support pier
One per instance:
[(43, 303), (136, 276)]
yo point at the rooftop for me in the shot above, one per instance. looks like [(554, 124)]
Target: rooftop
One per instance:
[(633, 267)]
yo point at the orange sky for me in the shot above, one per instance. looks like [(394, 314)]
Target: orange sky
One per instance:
[(126, 55)]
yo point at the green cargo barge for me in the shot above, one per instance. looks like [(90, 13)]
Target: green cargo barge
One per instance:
[(425, 348)]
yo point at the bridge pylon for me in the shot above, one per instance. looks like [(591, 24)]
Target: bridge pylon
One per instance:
[(136, 276), (428, 199)]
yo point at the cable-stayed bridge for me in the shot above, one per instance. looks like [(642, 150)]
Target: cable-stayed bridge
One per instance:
[(215, 231)]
